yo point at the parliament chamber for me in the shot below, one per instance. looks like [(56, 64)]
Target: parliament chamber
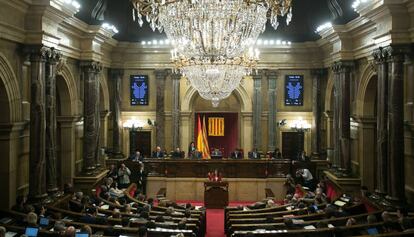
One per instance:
[(206, 118)]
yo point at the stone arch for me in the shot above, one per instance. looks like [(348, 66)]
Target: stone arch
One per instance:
[(66, 111), (10, 127), (366, 105), (68, 96), (366, 93), (240, 92), (10, 97), (245, 127)]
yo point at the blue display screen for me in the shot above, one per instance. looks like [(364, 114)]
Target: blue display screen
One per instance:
[(31, 231), (294, 90), (139, 90), (44, 221)]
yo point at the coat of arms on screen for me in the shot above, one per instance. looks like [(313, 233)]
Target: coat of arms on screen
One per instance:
[(215, 127)]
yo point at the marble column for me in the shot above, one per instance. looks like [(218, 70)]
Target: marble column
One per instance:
[(381, 185), (91, 114), (176, 110), (317, 76), (272, 80), (51, 124), (98, 122), (160, 126), (116, 76), (257, 110), (37, 163), (335, 119), (410, 88), (342, 70), (396, 180)]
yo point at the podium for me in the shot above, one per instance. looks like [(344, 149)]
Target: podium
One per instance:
[(216, 194)]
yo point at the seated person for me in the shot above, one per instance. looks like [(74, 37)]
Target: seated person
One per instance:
[(196, 155), (177, 153), (216, 152), (237, 154), (158, 153), (277, 154), (254, 154), (137, 156)]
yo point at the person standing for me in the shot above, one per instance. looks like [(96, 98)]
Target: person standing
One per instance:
[(123, 176), (191, 149), (142, 179)]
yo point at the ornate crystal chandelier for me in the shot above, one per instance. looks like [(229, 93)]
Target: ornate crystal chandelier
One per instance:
[(211, 38), (215, 80)]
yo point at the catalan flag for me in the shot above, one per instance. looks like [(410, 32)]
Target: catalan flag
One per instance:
[(215, 127), (202, 142)]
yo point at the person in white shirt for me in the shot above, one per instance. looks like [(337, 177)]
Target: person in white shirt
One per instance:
[(307, 178)]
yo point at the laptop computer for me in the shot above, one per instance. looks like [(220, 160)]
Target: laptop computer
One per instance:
[(31, 231)]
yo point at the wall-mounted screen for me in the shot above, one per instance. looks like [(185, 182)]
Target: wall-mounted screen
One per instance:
[(294, 90), (139, 90)]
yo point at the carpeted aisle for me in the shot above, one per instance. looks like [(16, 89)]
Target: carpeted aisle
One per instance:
[(215, 223), (215, 218)]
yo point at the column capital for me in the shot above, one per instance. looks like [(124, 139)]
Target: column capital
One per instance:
[(272, 74), (160, 74), (91, 66), (37, 53), (397, 53), (379, 55), (257, 76), (319, 72), (53, 56), (176, 76), (116, 73), (343, 66)]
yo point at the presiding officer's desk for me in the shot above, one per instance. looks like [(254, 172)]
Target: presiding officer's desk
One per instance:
[(229, 168)]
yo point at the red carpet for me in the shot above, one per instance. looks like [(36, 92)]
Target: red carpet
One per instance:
[(215, 218)]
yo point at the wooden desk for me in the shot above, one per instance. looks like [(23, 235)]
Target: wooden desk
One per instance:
[(229, 168), (216, 194)]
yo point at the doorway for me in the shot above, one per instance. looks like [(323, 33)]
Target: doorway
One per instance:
[(292, 144), (140, 140)]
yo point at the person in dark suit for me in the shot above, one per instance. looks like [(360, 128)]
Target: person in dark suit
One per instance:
[(277, 154), (142, 179), (191, 149), (254, 154), (236, 154), (216, 152), (158, 153), (137, 156), (178, 153)]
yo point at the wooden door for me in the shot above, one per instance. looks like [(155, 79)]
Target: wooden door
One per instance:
[(292, 144), (141, 140)]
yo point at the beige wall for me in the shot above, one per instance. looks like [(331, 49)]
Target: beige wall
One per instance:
[(239, 189)]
